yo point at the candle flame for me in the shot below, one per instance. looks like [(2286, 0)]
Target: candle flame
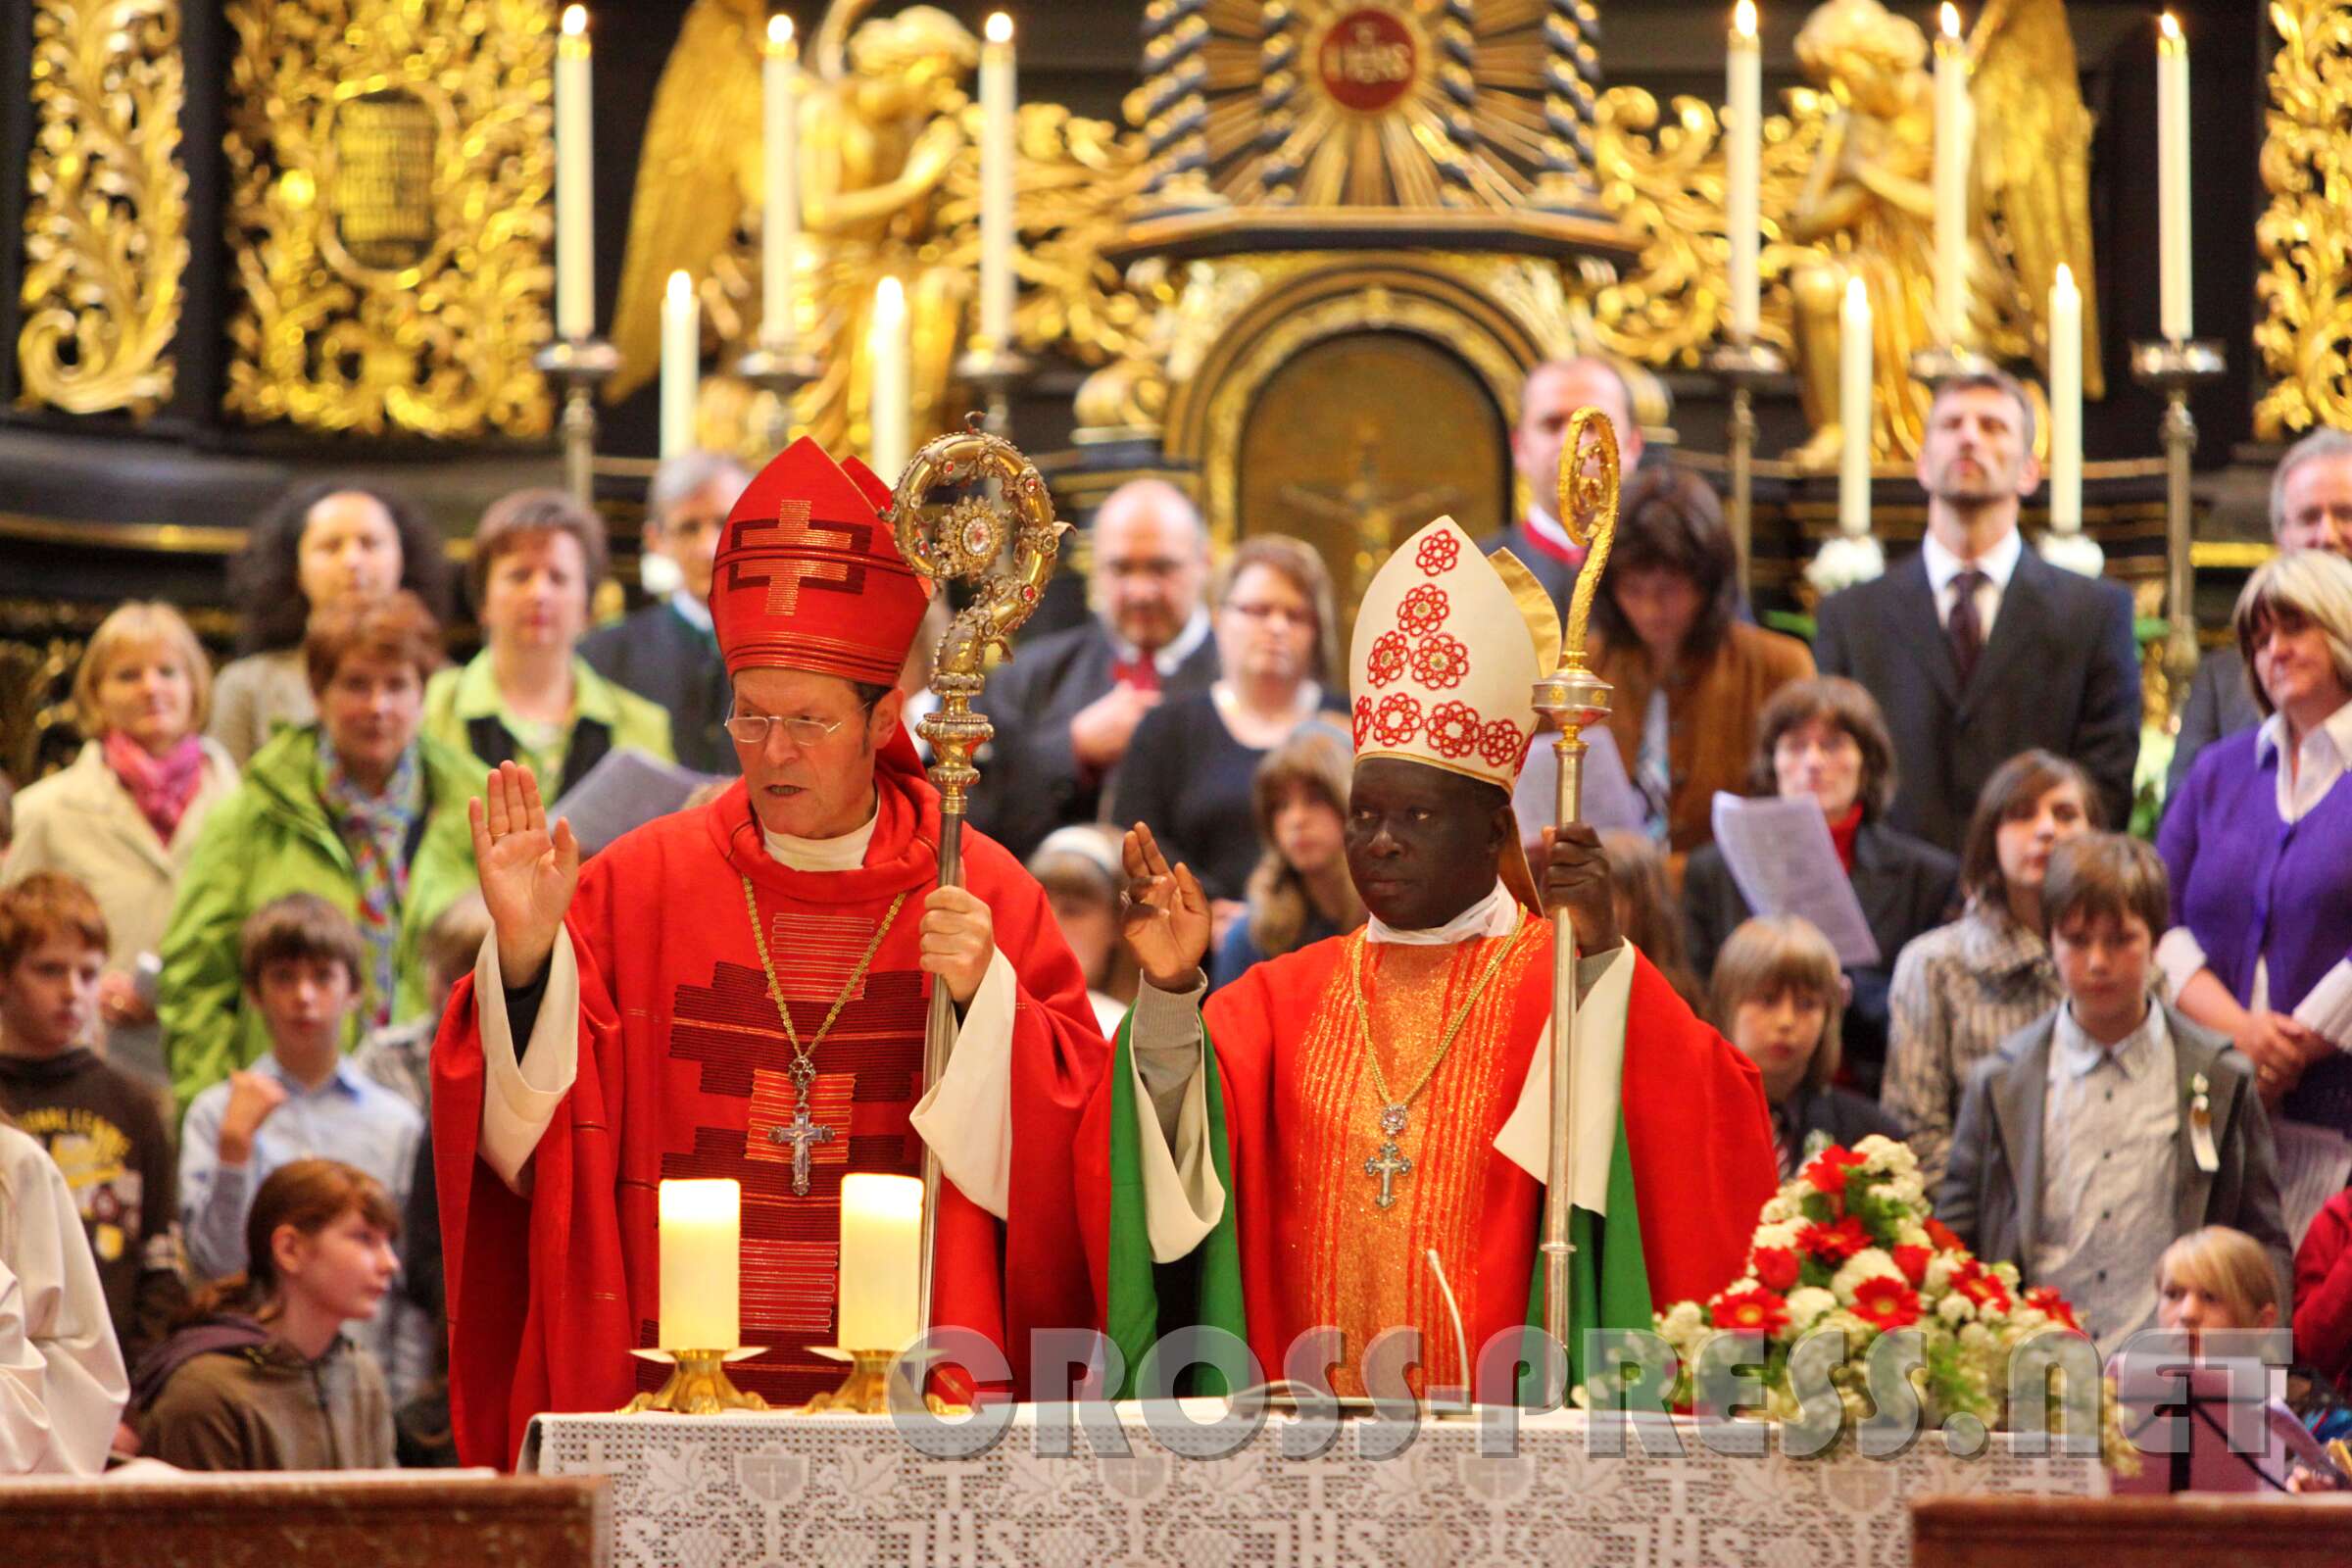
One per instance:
[(1951, 19), (1743, 19), (1857, 298), (575, 21), (2066, 278), (1000, 27), (890, 295), (779, 31), (681, 287), (2170, 26)]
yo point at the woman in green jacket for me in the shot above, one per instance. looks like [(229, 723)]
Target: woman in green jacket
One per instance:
[(528, 697), (361, 808)]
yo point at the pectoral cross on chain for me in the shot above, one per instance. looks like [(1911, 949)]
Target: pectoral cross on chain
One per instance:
[(802, 1130), (1388, 1166)]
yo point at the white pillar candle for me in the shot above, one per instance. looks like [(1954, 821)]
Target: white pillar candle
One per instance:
[(702, 1255), (881, 1256), (780, 150), (997, 161), (575, 183), (2066, 402), (1953, 132), (887, 411), (681, 364), (2172, 178), (1744, 95), (1855, 410)]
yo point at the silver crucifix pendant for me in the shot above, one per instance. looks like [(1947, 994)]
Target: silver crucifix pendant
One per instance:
[(802, 1130), (1386, 1167)]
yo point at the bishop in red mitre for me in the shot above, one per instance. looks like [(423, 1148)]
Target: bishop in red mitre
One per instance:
[(739, 990)]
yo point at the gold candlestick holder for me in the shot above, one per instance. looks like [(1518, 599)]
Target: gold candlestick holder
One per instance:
[(1933, 366), (578, 366), (2175, 368), (866, 1390), (781, 370), (698, 1383), (1740, 363)]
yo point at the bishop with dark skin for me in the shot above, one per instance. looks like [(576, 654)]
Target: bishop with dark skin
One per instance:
[(1423, 845)]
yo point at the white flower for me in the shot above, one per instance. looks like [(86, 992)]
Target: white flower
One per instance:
[(1681, 1323), (1889, 1154), (1868, 1263), (1778, 1208), (1806, 1304), (1911, 1233), (1779, 1234), (1940, 1273), (1906, 1189), (1955, 1310), (1975, 1336)]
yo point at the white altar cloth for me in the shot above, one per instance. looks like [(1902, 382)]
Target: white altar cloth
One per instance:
[(749, 1491)]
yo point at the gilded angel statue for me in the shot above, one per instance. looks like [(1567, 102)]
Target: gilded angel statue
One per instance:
[(889, 182), (1867, 208)]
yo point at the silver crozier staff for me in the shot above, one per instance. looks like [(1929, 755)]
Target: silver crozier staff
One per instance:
[(962, 542), (1573, 699)]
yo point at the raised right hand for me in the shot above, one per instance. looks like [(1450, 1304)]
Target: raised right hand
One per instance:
[(528, 873), (1101, 730), (1165, 922)]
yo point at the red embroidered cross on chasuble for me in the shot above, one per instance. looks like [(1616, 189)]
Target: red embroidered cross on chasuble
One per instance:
[(684, 1070)]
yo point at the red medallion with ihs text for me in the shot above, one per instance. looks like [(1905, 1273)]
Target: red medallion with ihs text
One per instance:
[(1367, 60), (868, 1077)]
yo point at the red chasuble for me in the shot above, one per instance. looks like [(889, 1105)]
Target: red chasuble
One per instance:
[(683, 1071), (1301, 1117)]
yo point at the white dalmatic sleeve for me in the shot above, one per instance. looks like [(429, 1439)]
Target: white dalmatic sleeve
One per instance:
[(522, 1092), (967, 1117), (82, 1388)]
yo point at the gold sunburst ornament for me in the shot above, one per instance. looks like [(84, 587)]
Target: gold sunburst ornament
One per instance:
[(1573, 699)]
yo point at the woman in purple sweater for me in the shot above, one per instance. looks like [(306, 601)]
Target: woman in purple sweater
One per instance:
[(2258, 845)]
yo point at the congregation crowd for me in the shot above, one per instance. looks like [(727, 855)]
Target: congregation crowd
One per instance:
[(229, 926)]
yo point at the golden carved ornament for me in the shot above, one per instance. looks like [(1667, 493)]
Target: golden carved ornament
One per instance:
[(106, 223), (390, 163), (2304, 235)]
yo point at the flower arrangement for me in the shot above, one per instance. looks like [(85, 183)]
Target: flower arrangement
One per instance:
[(1848, 1244)]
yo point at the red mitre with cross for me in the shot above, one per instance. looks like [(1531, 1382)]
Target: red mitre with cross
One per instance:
[(809, 574)]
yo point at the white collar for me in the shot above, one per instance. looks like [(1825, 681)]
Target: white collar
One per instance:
[(1543, 525), (691, 609), (2074, 1053), (844, 853), (1174, 652), (2336, 727), (1999, 564), (1495, 915)]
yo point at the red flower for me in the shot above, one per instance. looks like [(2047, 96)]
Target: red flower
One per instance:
[(1502, 744), (1454, 730), (2054, 1307), (1828, 1170), (1981, 1286), (1774, 1267), (1753, 1310), (1833, 1244), (1886, 1302), (1387, 659), (1942, 1236), (1913, 1262), (1424, 609), (1397, 720), (1438, 661), (1438, 553)]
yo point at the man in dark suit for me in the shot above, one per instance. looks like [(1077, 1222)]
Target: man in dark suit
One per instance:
[(667, 653), (1976, 648), (1068, 702), (2311, 508), (1554, 391)]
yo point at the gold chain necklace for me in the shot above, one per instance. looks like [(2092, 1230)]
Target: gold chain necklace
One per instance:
[(804, 1130), (1390, 1164)]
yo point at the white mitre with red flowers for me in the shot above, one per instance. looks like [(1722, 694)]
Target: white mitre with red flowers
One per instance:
[(1448, 646)]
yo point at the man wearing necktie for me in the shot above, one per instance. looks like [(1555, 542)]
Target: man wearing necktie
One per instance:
[(1976, 648)]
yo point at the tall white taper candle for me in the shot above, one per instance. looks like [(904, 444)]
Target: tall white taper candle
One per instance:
[(997, 118), (1855, 410), (701, 1258), (1954, 131), (2172, 180), (780, 152), (575, 183), (1743, 94), (681, 364), (886, 393), (881, 1253), (2066, 402)]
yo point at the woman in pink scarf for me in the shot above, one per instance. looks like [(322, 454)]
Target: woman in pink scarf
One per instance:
[(123, 818)]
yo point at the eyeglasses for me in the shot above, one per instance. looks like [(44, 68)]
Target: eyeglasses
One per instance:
[(1259, 611), (752, 729)]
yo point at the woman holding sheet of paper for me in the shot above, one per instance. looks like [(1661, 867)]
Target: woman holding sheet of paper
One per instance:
[(1689, 676), (2256, 843), (1825, 739)]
